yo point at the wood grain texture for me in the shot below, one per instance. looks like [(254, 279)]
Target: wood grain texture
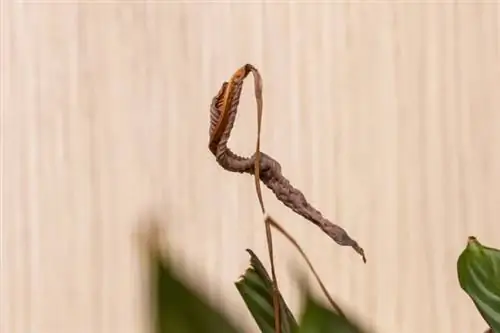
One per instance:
[(386, 115)]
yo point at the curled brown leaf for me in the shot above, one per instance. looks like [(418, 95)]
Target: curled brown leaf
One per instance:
[(266, 169)]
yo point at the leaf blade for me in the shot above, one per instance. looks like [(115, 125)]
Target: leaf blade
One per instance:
[(256, 288), (178, 307), (317, 318), (478, 269)]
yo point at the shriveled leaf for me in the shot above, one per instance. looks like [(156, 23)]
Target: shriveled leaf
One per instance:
[(478, 269), (317, 318), (180, 309), (256, 289)]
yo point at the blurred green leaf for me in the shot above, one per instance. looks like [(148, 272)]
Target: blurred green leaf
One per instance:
[(479, 275), (179, 309), (317, 318), (256, 289)]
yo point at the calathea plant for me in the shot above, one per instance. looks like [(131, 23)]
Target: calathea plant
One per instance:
[(178, 308)]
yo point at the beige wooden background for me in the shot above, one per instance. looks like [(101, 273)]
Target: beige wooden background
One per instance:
[(385, 114)]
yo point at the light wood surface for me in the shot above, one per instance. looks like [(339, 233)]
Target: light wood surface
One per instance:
[(386, 115)]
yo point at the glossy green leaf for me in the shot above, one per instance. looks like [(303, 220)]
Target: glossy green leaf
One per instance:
[(256, 289), (479, 276), (178, 307), (317, 318)]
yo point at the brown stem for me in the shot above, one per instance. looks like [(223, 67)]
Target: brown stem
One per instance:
[(274, 224)]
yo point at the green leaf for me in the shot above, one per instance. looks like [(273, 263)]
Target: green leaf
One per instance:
[(479, 275), (256, 289), (317, 318), (180, 309)]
